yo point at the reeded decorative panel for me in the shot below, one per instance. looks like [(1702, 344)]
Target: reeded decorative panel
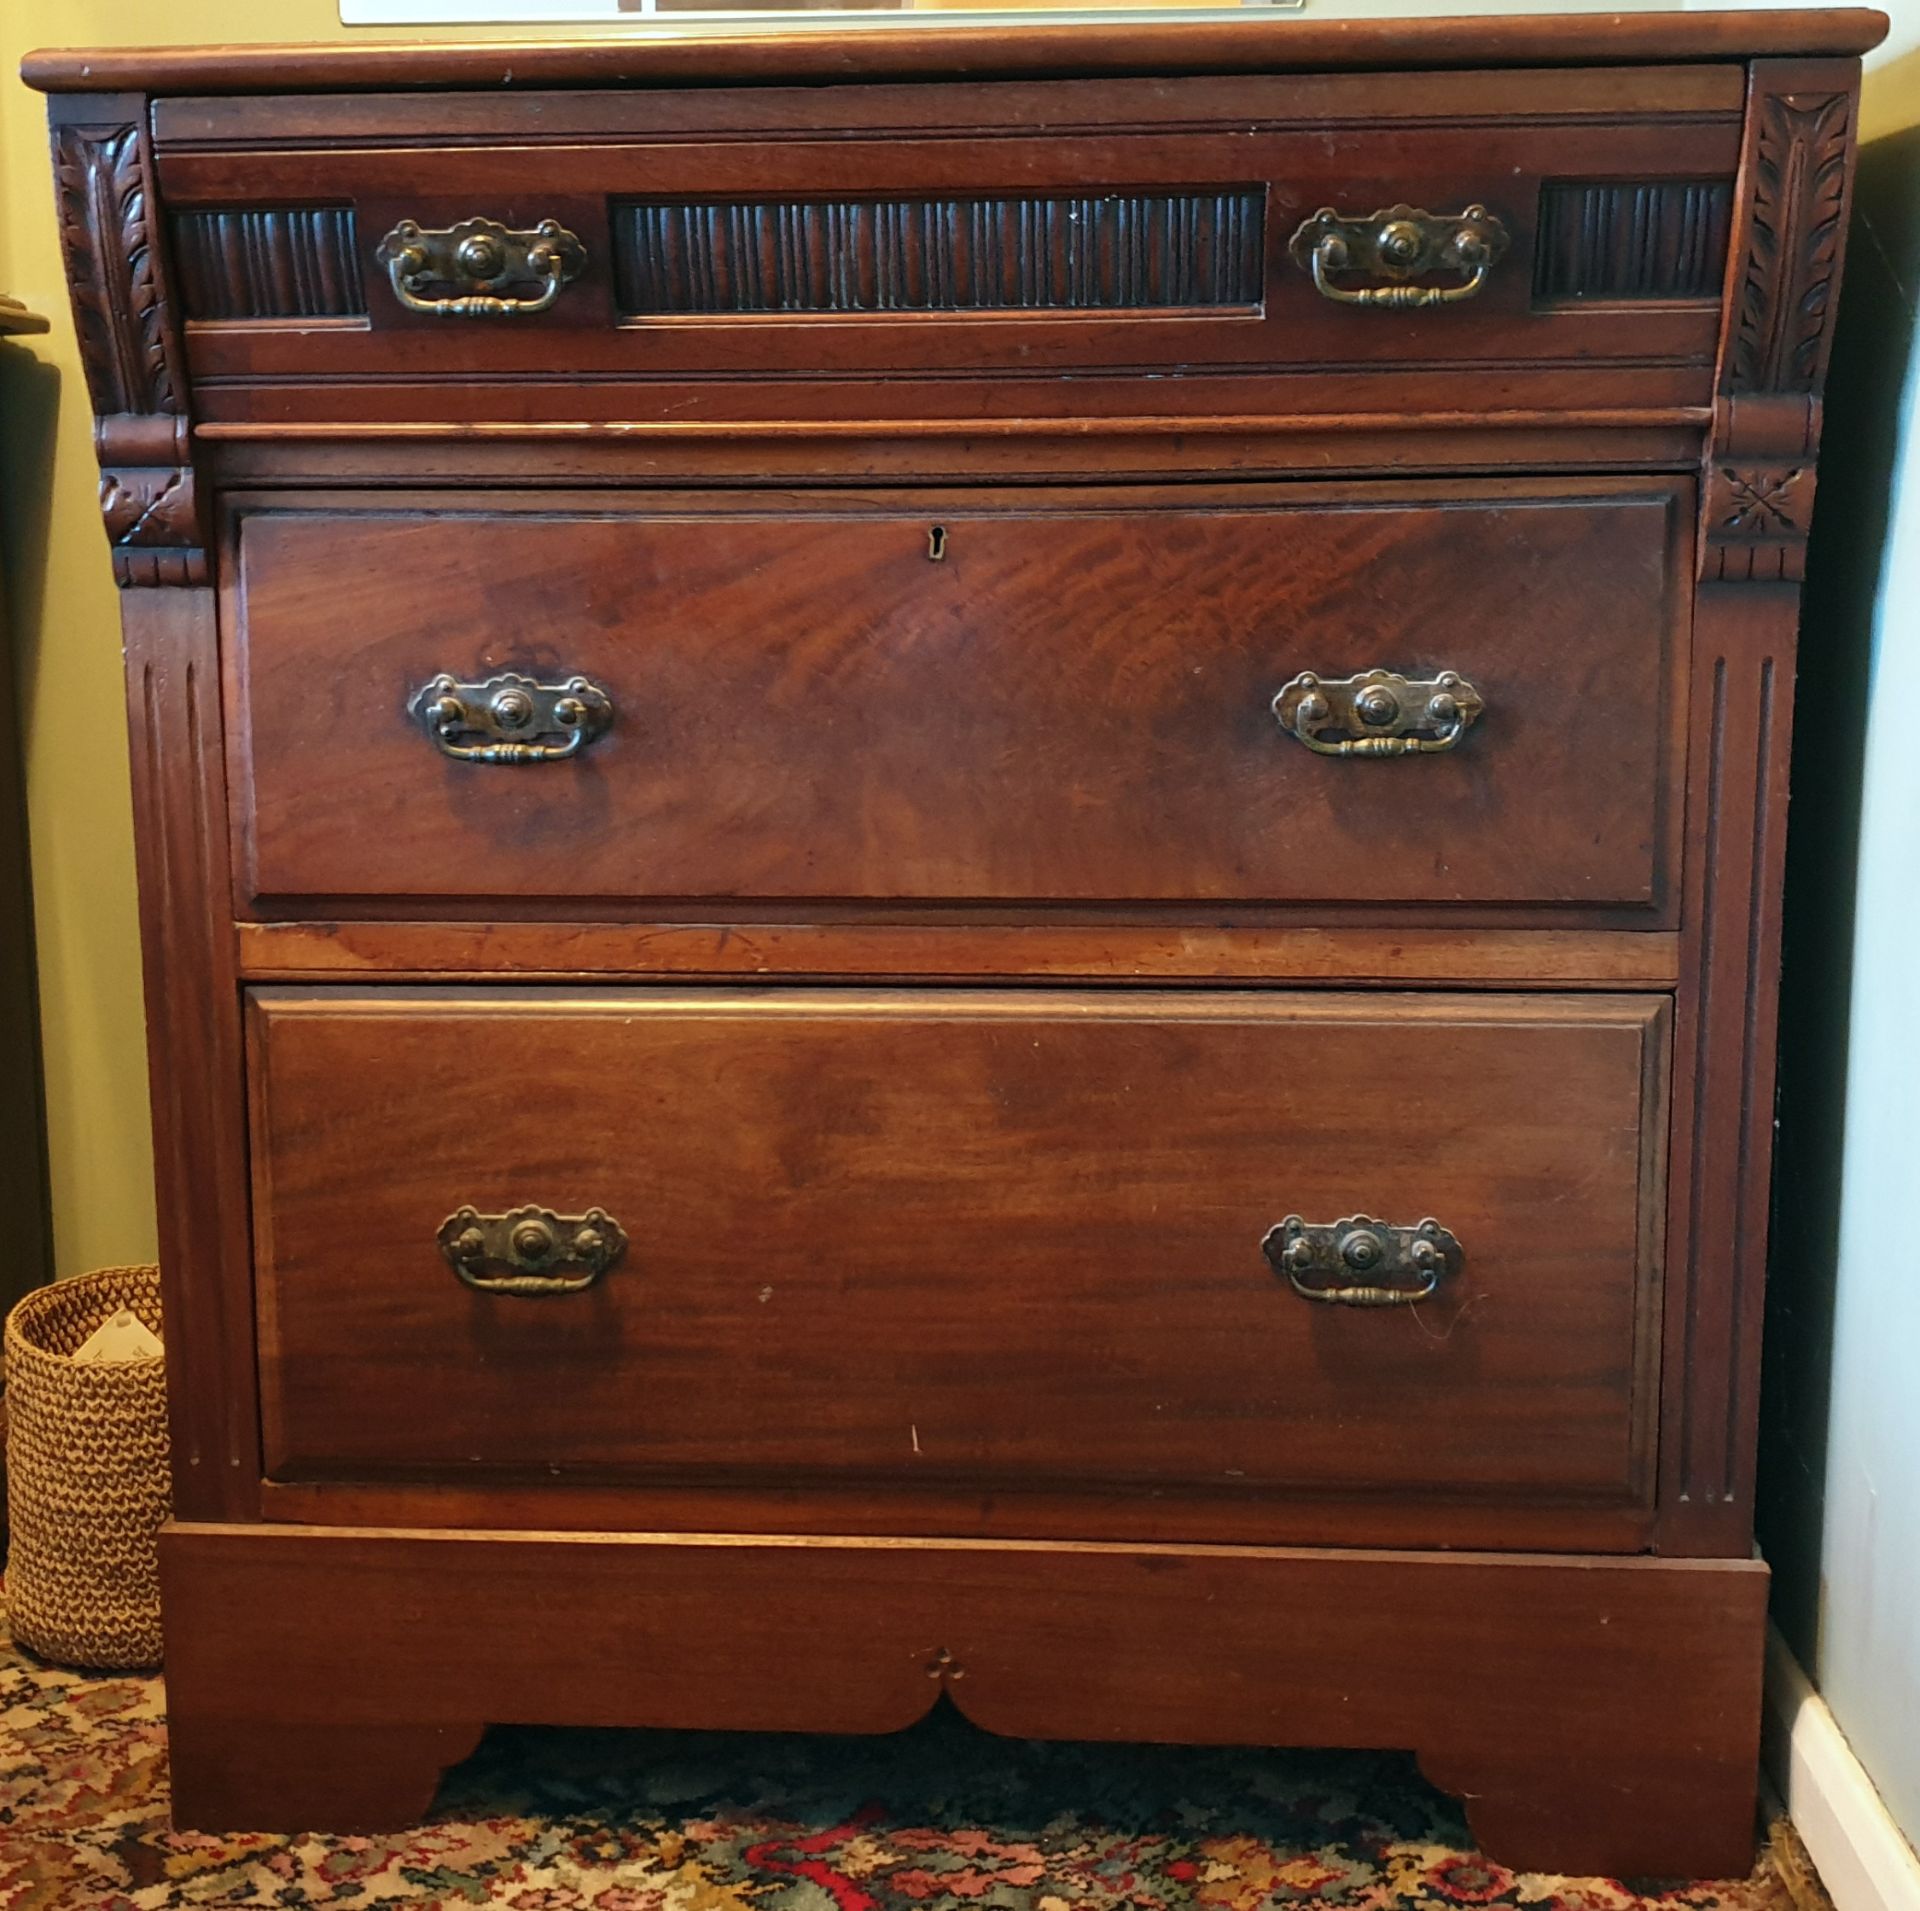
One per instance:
[(268, 262), (1081, 252), (1633, 239)]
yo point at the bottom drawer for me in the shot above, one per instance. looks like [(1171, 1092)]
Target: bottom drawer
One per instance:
[(952, 1241)]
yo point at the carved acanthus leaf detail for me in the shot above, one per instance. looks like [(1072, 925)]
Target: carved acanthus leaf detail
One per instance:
[(1797, 224), (107, 230), (1757, 494), (110, 232)]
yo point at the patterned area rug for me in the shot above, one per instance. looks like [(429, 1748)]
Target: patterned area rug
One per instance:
[(941, 1818)]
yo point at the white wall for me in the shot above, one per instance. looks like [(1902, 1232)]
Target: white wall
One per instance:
[(1840, 1489), (1867, 1656)]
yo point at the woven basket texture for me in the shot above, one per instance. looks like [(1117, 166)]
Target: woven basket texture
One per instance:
[(87, 1484)]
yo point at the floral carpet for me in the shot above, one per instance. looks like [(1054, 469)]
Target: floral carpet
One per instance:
[(941, 1818)]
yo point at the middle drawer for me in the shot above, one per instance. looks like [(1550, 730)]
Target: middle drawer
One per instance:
[(950, 1240), (1011, 699)]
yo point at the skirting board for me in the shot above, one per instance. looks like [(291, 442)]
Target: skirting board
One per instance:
[(1864, 1861), (1595, 1713)]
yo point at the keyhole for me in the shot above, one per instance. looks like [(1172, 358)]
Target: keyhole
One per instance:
[(937, 543)]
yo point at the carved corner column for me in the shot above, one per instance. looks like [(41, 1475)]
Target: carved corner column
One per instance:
[(1789, 234), (129, 338), (130, 344)]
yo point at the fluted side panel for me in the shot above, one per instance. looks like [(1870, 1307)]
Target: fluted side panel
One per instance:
[(1097, 252), (1637, 239), (278, 262)]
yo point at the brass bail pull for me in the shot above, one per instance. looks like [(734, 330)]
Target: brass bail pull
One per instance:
[(511, 718), (1399, 244), (530, 1251), (1378, 713), (1361, 1262), (459, 271)]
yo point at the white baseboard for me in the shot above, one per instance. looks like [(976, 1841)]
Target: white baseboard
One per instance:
[(1863, 1860)]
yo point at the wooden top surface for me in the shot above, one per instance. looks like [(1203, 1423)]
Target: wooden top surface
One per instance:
[(941, 52)]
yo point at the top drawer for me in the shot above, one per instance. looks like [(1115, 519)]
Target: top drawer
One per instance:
[(730, 252)]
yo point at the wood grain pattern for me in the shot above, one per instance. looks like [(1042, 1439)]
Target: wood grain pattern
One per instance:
[(1723, 1118), (947, 1271), (976, 951), (1043, 260), (974, 954), (1218, 1513), (1072, 703), (302, 452), (1602, 239), (1476, 1661), (1643, 92), (193, 1048), (241, 262), (1147, 47)]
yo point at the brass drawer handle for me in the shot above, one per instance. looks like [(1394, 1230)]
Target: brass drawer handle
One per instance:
[(479, 256), (531, 1250), (1361, 1262), (1378, 713), (512, 719), (1399, 243)]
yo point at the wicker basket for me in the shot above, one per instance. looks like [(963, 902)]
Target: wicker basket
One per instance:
[(87, 1486)]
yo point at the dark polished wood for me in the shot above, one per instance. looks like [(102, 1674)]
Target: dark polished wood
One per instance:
[(1476, 1660), (1723, 1117), (193, 1048), (957, 247), (1783, 274), (974, 698), (128, 325), (848, 950), (1147, 47), (945, 968), (876, 1236), (1213, 1512)]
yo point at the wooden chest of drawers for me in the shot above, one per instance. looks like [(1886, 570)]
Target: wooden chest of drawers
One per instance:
[(960, 857)]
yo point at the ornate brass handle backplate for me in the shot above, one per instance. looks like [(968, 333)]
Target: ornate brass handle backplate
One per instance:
[(512, 719), (531, 1250), (1361, 1262), (1399, 244), (1378, 713), (475, 259)]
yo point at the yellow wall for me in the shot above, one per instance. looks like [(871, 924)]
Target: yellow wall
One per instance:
[(63, 616), (1891, 100)]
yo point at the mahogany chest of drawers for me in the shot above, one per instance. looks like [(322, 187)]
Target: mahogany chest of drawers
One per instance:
[(960, 857)]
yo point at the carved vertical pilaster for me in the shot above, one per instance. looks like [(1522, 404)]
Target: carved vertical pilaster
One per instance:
[(194, 1049), (110, 228), (1741, 717), (1783, 274), (129, 339), (1789, 234)]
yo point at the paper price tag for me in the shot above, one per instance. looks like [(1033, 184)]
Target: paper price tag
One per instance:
[(125, 1337)]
